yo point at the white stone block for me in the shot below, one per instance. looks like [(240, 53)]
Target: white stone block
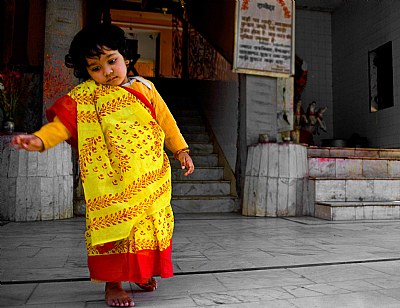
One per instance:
[(22, 199), (386, 190), (5, 158), (23, 163), (5, 206), (47, 199), (13, 164), (42, 164), (322, 167), (349, 168), (33, 164), (394, 168), (308, 197), (330, 190), (323, 212), (249, 162), (375, 168), (282, 202), (273, 160), (248, 197), (304, 159), (360, 190), (343, 213), (261, 196), (264, 160), (300, 192), (294, 162), (56, 197), (283, 161), (383, 212), (364, 212), (292, 197), (51, 158), (58, 159), (66, 158), (255, 165), (33, 208), (272, 196), (69, 192), (64, 196)]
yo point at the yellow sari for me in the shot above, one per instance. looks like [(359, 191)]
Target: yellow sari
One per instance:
[(126, 178)]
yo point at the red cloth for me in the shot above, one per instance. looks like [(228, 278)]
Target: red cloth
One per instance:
[(65, 109), (131, 267)]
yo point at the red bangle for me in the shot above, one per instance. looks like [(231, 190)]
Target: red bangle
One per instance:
[(185, 150)]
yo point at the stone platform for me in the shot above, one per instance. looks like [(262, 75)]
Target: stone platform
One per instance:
[(35, 186), (355, 184)]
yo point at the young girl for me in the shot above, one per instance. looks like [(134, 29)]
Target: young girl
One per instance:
[(119, 125)]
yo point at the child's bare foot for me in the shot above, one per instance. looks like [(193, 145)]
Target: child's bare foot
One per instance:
[(116, 296), (149, 286)]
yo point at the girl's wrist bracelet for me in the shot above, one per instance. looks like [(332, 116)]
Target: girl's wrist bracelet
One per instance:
[(185, 150)]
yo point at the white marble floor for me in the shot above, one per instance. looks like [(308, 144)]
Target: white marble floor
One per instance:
[(220, 261)]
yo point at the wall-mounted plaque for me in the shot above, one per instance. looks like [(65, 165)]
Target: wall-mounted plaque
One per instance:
[(264, 38)]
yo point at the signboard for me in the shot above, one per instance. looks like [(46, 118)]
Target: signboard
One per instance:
[(264, 38)]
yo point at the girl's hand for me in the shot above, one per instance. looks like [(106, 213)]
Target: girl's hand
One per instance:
[(30, 143), (186, 163)]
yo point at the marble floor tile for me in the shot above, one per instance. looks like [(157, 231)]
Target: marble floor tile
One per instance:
[(343, 272), (371, 299), (14, 295), (261, 279), (245, 261), (63, 292)]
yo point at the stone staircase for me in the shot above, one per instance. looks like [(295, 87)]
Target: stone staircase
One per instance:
[(206, 190), (354, 183)]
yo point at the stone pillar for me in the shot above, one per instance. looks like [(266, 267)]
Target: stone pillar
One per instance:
[(275, 180), (257, 115), (63, 20)]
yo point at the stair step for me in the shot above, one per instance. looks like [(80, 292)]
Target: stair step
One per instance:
[(197, 148), (187, 128), (365, 153), (179, 112), (199, 160), (202, 188), (345, 190), (200, 173), (192, 120), (354, 167), (196, 137), (340, 211), (205, 204), (201, 147)]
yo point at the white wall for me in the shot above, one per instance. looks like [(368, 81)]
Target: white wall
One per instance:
[(357, 29), (261, 108), (313, 43), (220, 105)]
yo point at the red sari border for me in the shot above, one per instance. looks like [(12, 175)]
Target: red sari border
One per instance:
[(132, 267)]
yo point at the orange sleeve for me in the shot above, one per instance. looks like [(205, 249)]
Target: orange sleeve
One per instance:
[(174, 140), (65, 108), (53, 133)]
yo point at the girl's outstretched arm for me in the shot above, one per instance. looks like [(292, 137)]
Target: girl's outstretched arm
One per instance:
[(30, 143)]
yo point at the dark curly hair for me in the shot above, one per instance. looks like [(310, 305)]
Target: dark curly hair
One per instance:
[(90, 42)]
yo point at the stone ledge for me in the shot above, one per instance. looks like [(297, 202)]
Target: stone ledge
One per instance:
[(365, 153), (351, 211)]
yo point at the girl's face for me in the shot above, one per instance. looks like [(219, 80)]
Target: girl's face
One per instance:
[(108, 69)]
